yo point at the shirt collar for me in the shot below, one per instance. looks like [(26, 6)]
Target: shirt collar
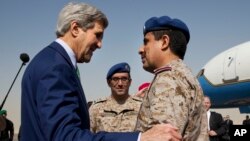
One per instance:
[(68, 50), (208, 111)]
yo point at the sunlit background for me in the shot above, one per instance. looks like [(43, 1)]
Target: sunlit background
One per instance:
[(28, 26)]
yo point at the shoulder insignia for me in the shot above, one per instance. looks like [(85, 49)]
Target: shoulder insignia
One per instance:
[(136, 98), (100, 100)]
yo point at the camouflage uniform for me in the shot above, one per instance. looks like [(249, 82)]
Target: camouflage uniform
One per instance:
[(108, 115), (175, 97)]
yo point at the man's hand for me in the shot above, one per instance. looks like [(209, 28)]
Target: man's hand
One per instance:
[(161, 132), (212, 133)]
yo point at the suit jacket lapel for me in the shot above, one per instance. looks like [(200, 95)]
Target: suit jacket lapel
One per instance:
[(60, 50)]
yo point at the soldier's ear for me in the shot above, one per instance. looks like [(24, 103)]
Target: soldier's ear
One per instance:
[(130, 81), (165, 42), (109, 82)]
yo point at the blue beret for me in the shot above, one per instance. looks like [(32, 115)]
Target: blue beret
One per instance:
[(165, 22), (120, 67)]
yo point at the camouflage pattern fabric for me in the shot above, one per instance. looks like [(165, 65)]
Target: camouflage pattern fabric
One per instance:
[(175, 97), (108, 115)]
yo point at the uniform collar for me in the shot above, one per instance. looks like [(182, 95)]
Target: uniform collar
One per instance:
[(162, 69), (168, 67)]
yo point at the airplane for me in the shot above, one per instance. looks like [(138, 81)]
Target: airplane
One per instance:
[(226, 78)]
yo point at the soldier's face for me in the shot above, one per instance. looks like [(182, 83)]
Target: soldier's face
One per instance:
[(119, 84), (150, 52)]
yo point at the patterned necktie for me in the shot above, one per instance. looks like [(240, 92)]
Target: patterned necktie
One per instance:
[(78, 72)]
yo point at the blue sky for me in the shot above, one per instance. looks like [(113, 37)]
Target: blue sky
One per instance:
[(29, 25)]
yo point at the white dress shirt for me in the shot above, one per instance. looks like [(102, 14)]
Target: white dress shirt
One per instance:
[(69, 51), (208, 118)]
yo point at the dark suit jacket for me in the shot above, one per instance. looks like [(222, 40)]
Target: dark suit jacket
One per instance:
[(53, 104), (246, 122), (228, 122), (216, 124)]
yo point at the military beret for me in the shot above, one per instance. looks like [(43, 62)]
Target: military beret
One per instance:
[(3, 112), (165, 22), (143, 85), (120, 67)]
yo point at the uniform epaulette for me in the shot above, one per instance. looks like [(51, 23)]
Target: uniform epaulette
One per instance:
[(136, 98), (159, 70), (100, 100)]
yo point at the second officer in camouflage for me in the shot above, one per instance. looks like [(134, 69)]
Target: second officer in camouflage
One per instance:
[(118, 112)]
